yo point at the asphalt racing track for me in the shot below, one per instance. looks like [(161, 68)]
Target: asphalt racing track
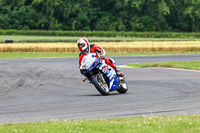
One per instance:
[(52, 88)]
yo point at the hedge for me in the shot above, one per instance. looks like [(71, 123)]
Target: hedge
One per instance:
[(188, 35)]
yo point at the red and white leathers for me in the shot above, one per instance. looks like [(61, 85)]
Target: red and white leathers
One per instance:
[(96, 49), (101, 52)]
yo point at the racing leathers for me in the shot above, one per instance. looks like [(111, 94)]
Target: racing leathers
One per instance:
[(100, 54)]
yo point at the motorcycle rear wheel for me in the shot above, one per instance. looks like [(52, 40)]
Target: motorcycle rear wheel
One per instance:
[(101, 86)]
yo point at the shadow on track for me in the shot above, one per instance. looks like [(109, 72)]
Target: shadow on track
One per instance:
[(111, 94)]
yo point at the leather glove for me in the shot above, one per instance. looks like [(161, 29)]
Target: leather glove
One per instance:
[(101, 57)]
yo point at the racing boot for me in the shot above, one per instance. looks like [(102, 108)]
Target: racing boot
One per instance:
[(119, 74)]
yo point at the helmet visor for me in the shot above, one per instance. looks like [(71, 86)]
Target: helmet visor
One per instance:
[(81, 45)]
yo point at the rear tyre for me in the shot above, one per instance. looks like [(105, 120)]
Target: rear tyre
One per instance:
[(123, 86), (100, 84)]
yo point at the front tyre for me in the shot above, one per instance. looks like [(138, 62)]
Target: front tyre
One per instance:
[(123, 86), (100, 84)]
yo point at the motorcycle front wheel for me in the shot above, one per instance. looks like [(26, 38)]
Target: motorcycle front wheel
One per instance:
[(100, 84), (123, 86)]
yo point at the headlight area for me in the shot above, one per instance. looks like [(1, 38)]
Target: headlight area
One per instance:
[(88, 64)]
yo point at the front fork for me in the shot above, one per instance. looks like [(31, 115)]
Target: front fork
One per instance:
[(120, 80)]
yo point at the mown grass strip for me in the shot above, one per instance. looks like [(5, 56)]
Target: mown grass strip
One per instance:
[(194, 65), (39, 39), (161, 124), (7, 55), (15, 55)]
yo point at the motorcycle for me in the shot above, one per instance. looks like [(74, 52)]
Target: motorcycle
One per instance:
[(101, 75)]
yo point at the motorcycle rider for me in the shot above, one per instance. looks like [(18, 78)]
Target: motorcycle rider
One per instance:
[(85, 48)]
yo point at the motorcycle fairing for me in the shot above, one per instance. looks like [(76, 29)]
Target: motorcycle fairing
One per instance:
[(111, 74)]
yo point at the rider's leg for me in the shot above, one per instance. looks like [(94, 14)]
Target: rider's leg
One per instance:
[(111, 63)]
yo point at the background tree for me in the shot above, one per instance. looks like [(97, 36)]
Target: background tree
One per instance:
[(113, 15)]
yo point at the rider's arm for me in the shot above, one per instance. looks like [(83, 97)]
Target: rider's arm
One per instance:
[(100, 52), (80, 59)]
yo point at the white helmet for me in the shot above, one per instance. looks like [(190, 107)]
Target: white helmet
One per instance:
[(83, 43)]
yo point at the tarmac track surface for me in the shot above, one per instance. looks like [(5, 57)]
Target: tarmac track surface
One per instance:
[(52, 88)]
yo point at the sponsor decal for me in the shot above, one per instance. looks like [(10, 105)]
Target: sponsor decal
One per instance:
[(104, 69)]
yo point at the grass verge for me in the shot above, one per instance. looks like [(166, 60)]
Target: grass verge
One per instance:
[(164, 124), (39, 39), (194, 65), (7, 55), (14, 55)]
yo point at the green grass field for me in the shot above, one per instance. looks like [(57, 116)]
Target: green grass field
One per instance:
[(91, 39), (194, 65), (153, 124), (6, 55)]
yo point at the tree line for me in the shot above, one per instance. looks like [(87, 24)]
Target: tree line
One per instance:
[(101, 15)]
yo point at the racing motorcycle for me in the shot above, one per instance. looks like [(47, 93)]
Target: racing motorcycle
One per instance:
[(101, 75)]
